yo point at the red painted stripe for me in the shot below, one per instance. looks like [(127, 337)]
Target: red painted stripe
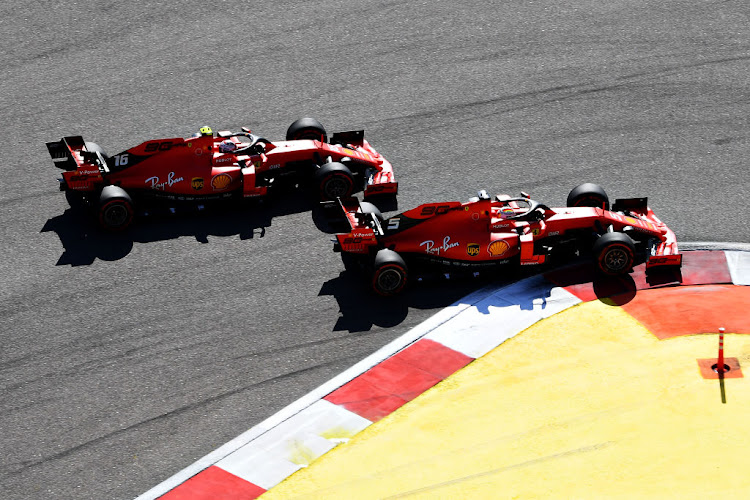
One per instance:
[(674, 311), (399, 379), (705, 268), (698, 268), (433, 357), (214, 483)]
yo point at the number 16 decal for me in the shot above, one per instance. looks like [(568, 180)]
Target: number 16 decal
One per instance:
[(121, 160)]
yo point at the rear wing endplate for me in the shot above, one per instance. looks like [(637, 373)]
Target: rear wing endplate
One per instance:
[(62, 153)]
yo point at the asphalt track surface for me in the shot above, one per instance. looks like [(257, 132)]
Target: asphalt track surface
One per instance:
[(125, 358)]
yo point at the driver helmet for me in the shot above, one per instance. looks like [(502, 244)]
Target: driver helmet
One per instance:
[(206, 130), (507, 212), (227, 146)]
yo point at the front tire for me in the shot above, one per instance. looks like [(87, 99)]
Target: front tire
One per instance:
[(306, 128), (389, 273), (614, 253), (334, 180), (115, 209), (588, 195)]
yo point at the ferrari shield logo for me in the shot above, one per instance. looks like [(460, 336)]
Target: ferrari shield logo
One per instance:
[(197, 183), (472, 249)]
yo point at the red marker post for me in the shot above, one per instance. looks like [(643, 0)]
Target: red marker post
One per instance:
[(720, 363)]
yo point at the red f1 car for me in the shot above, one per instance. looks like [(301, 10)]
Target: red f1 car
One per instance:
[(219, 166), (455, 237)]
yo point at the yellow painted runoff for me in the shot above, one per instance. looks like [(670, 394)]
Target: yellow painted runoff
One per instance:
[(585, 404)]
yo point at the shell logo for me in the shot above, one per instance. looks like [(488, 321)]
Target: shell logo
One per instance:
[(498, 248), (221, 182)]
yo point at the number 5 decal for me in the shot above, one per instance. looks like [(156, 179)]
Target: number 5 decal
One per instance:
[(393, 223)]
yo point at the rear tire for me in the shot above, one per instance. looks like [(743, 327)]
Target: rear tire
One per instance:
[(369, 208), (94, 147), (306, 128), (334, 180), (614, 253), (389, 273), (115, 209), (588, 195)]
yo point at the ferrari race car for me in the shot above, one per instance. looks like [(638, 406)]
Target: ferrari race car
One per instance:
[(221, 166), (485, 234)]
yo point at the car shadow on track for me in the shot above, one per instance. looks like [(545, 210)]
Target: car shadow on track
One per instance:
[(361, 308), (581, 276), (84, 242)]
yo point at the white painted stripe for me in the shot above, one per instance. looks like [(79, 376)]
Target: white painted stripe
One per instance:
[(739, 267), (293, 444), (259, 467), (502, 315), (322, 418)]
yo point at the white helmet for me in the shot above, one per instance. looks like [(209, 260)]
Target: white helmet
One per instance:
[(227, 146)]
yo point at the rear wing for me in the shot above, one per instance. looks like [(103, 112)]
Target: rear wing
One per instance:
[(364, 228), (353, 137), (71, 153), (359, 220)]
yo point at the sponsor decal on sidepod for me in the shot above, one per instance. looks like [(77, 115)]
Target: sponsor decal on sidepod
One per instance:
[(498, 248), (221, 181), (155, 182), (429, 246)]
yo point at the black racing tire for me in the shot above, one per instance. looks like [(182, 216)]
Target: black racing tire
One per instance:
[(306, 128), (614, 253), (115, 212), (334, 180), (93, 147), (588, 195), (369, 208), (389, 274)]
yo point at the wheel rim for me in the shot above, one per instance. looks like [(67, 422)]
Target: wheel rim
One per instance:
[(616, 259), (116, 215), (389, 280), (336, 187)]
